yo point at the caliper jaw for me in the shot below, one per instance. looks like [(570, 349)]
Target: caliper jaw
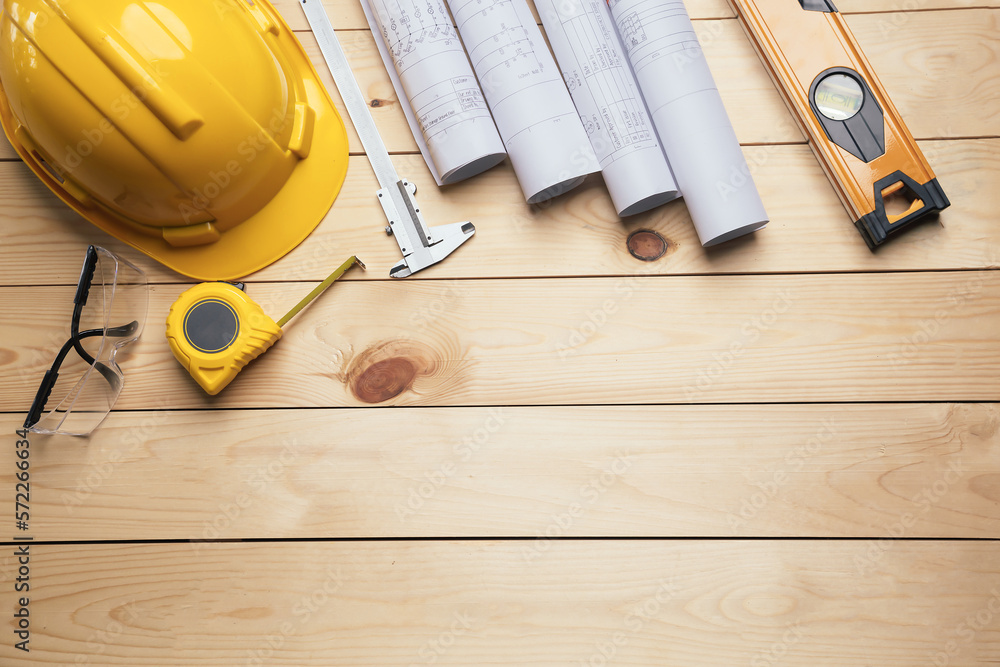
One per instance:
[(421, 247)]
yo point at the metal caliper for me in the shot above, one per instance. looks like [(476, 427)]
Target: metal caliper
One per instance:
[(421, 246)]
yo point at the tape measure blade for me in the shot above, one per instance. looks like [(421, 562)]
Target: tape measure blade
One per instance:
[(319, 289), (350, 92)]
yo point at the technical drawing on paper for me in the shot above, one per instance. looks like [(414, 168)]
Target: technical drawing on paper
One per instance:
[(632, 32), (607, 97), (618, 119), (409, 26), (689, 117), (455, 130), (545, 139), (672, 33)]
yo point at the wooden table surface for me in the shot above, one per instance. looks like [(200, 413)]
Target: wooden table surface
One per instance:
[(781, 451)]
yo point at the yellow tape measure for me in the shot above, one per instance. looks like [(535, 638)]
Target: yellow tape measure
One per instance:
[(215, 329)]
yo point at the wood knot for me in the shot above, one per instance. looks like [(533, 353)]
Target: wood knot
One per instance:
[(375, 103), (647, 245), (383, 372)]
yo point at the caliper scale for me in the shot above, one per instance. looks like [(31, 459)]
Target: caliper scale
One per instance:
[(421, 246)]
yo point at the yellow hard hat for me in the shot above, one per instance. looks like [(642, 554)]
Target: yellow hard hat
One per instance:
[(196, 131)]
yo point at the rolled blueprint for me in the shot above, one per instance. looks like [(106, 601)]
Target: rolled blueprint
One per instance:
[(548, 147), (436, 87), (690, 118), (600, 80)]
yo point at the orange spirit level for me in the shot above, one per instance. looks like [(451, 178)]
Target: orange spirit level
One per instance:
[(856, 133)]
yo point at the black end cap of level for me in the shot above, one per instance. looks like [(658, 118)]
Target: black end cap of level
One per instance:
[(875, 227), (825, 6)]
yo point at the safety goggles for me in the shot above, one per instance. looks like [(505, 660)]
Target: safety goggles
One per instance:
[(109, 311)]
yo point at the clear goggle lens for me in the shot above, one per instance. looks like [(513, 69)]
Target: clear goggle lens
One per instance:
[(86, 380)]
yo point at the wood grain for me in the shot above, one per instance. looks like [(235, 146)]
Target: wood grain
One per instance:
[(922, 90), (865, 337), (546, 384), (909, 6), (913, 54), (6, 150), (920, 470), (539, 603), (347, 16), (350, 16), (578, 234)]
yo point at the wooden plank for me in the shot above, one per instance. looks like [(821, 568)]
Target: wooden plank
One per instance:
[(345, 16), (895, 8), (865, 337), (539, 603), (917, 58), (634, 471), (578, 234), (925, 91)]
